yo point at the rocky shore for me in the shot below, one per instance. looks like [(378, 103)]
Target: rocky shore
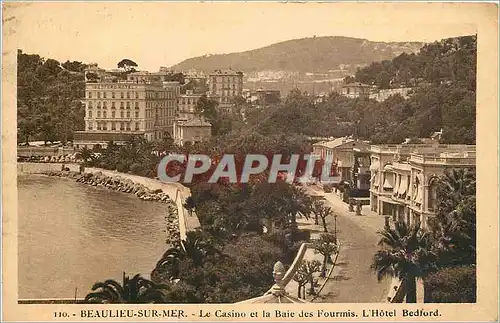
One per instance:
[(127, 186)]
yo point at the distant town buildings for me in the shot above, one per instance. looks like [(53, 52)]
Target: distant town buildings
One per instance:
[(404, 177), (224, 86), (357, 90)]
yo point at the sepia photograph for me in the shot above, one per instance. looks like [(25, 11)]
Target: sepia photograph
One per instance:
[(246, 154)]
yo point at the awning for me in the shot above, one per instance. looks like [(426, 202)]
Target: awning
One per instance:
[(374, 167), (389, 181), (397, 182), (375, 179), (404, 185)]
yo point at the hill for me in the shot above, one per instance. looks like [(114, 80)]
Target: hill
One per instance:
[(314, 54)]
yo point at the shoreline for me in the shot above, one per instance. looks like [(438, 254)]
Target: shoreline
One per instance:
[(119, 184)]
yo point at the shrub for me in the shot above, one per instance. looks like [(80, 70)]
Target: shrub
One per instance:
[(451, 285), (122, 168), (136, 169)]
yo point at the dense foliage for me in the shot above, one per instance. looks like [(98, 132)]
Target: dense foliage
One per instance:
[(48, 98), (451, 285)]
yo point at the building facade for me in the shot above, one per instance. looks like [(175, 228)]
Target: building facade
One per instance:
[(347, 153), (194, 131), (404, 177), (116, 110), (186, 105), (224, 86), (356, 90)]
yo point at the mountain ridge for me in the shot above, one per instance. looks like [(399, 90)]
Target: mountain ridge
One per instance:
[(310, 54)]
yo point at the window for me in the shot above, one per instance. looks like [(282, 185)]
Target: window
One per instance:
[(104, 104), (104, 94), (98, 95), (113, 114), (121, 114), (99, 105), (122, 126), (90, 113), (113, 126), (128, 125), (113, 105), (121, 95), (104, 114), (113, 95), (104, 126), (90, 126), (128, 105), (128, 95), (121, 105), (128, 114), (156, 95), (137, 114), (136, 95), (98, 126), (137, 126), (137, 104), (90, 105)]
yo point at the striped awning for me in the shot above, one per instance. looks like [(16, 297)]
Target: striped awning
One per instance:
[(374, 167)]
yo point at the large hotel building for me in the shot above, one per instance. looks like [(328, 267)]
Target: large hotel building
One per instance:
[(224, 86), (116, 110)]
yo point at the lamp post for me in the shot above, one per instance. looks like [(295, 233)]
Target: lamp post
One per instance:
[(335, 226)]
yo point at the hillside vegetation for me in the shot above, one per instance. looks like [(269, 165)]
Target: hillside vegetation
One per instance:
[(48, 98), (315, 54), (445, 99)]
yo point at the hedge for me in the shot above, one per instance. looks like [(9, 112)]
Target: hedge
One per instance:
[(451, 285)]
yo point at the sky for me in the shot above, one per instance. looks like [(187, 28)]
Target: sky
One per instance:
[(155, 34)]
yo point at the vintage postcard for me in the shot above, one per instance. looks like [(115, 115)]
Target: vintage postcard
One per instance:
[(238, 161)]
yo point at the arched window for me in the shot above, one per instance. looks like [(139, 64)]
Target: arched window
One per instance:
[(432, 195)]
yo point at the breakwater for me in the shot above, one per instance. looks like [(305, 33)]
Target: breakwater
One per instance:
[(124, 185)]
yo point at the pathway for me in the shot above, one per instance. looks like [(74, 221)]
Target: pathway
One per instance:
[(352, 280)]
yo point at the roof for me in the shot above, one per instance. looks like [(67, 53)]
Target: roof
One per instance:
[(225, 72), (356, 84), (335, 143), (195, 123), (273, 299)]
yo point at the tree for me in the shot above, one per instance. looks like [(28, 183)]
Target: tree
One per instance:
[(323, 213), (127, 64), (326, 246), (454, 226), (189, 204), (405, 254), (301, 278), (194, 248), (308, 269), (317, 208), (137, 290)]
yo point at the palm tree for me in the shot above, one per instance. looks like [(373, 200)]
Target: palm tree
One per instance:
[(137, 290), (193, 248), (85, 154), (326, 246), (454, 227), (405, 254)]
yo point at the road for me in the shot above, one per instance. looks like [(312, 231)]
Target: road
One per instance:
[(352, 280)]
